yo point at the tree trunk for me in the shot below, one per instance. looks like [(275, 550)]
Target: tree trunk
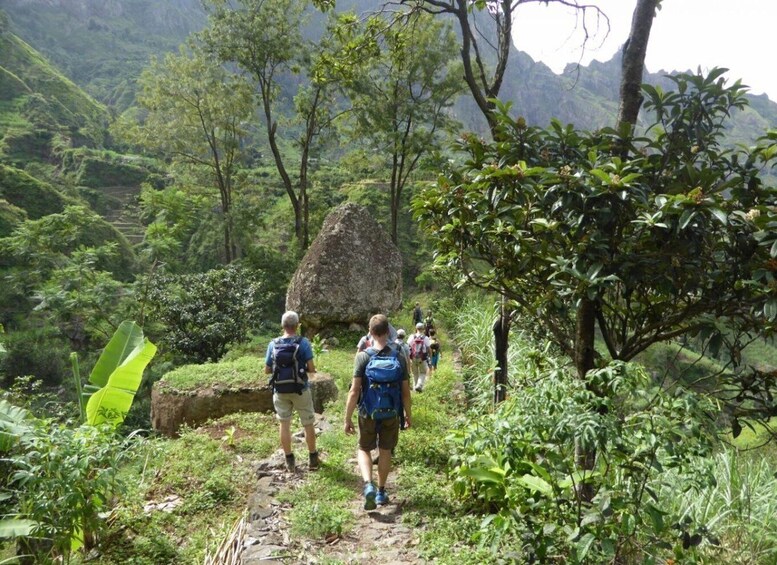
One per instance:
[(501, 336), (633, 63), (585, 457), (394, 198)]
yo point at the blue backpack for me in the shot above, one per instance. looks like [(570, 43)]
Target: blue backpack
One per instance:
[(288, 375), (381, 396)]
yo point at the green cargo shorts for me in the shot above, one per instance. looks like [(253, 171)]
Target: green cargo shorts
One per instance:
[(378, 433)]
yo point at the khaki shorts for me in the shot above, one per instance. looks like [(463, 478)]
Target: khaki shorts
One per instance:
[(371, 435), (285, 403)]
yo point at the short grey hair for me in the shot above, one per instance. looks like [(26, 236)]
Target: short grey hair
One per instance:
[(290, 320)]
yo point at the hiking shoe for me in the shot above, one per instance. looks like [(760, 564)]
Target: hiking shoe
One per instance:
[(290, 464), (381, 498), (370, 491), (313, 461)]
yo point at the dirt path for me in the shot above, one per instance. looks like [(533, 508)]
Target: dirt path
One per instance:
[(378, 536)]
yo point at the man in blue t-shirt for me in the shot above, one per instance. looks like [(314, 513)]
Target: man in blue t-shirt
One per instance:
[(286, 403)]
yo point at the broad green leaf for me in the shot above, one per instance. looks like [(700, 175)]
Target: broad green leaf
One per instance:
[(656, 517), (583, 546), (720, 215), (686, 217), (124, 341), (11, 528), (537, 484), (773, 250), (112, 402), (12, 425), (601, 175), (484, 475)]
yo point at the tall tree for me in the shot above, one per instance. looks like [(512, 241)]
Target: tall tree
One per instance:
[(400, 96), (264, 39), (485, 59), (194, 110), (643, 239)]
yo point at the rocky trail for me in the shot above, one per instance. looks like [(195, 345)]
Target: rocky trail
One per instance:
[(263, 536)]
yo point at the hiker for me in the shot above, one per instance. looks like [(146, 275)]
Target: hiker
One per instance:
[(418, 315), (400, 341), (428, 323), (419, 352), (289, 360), (381, 390), (434, 351), (366, 341)]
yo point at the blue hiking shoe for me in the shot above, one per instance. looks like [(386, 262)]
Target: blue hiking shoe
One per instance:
[(370, 491), (381, 498)]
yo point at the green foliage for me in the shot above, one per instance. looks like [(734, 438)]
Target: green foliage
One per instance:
[(206, 312), (58, 478), (401, 83), (34, 197), (39, 351), (519, 466), (737, 507), (62, 265), (210, 480), (103, 50), (656, 236), (194, 110), (320, 509)]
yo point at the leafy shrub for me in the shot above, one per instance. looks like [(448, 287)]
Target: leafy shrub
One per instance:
[(41, 352), (61, 478), (519, 466), (203, 314)]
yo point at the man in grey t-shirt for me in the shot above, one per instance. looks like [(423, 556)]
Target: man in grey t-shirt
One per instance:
[(383, 434)]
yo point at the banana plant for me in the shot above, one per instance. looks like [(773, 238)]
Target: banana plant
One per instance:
[(117, 375)]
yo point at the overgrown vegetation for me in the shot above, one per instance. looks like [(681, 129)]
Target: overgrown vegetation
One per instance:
[(242, 153)]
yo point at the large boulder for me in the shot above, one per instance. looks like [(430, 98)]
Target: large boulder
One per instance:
[(351, 271), (194, 394)]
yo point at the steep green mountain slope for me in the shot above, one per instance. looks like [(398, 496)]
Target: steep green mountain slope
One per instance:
[(40, 108), (104, 44)]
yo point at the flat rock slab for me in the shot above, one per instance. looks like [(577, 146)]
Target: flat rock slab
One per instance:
[(171, 408)]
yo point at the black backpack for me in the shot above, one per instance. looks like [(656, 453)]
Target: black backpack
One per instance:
[(287, 373)]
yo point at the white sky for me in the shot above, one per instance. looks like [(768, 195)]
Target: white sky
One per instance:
[(736, 34)]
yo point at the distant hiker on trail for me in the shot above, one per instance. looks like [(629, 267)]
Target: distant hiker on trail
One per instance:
[(418, 315), (434, 350), (428, 323), (289, 360), (381, 390), (400, 341), (366, 341), (419, 353)]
